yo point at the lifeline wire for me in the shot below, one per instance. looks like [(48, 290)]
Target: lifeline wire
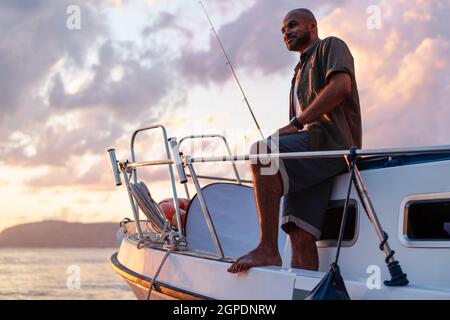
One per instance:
[(152, 283)]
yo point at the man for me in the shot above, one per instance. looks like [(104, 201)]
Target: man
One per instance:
[(325, 115)]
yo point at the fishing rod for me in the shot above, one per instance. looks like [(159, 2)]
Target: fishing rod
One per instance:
[(231, 67)]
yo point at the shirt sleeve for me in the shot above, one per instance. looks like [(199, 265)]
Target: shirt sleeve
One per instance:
[(336, 57)]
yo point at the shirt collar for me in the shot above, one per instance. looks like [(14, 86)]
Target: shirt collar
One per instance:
[(307, 53), (311, 47)]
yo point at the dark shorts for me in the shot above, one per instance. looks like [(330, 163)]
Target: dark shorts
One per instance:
[(306, 182)]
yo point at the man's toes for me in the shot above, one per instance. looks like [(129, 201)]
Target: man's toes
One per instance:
[(243, 267), (232, 267), (240, 264), (236, 267)]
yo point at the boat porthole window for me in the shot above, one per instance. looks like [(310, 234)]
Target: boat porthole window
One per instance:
[(427, 220), (332, 224)]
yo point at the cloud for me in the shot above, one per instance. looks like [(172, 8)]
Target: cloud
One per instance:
[(402, 70), (94, 177), (169, 21), (253, 42), (34, 39), (69, 215), (67, 93), (125, 85), (417, 98)]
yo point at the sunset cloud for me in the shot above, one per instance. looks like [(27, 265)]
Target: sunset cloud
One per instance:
[(402, 70), (116, 80)]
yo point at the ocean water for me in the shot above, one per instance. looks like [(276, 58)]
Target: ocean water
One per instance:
[(61, 274)]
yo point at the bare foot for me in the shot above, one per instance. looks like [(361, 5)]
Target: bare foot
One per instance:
[(256, 258)]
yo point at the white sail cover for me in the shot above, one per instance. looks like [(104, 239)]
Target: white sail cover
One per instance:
[(233, 211)]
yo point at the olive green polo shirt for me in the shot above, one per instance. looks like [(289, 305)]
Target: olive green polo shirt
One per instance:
[(340, 128)]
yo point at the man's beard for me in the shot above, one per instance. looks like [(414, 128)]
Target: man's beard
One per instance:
[(301, 40), (304, 38)]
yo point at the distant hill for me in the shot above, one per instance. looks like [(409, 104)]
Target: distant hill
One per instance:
[(54, 234)]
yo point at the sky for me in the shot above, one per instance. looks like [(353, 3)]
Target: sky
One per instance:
[(78, 77)]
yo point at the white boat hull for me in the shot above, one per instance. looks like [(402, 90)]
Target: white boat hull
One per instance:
[(192, 278)]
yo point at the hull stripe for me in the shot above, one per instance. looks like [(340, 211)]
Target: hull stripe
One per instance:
[(160, 287)]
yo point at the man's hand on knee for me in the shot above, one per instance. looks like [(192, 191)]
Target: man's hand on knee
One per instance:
[(286, 130)]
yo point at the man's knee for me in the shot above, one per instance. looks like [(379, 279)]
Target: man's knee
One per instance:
[(264, 166), (259, 147)]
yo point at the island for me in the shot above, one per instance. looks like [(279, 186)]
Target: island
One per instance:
[(60, 234)]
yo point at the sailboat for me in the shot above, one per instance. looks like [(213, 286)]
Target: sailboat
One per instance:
[(400, 204)]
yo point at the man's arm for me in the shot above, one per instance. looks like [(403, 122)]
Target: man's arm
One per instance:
[(337, 90), (339, 87)]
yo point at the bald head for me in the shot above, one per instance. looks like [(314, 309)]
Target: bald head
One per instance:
[(306, 14), (299, 29)]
